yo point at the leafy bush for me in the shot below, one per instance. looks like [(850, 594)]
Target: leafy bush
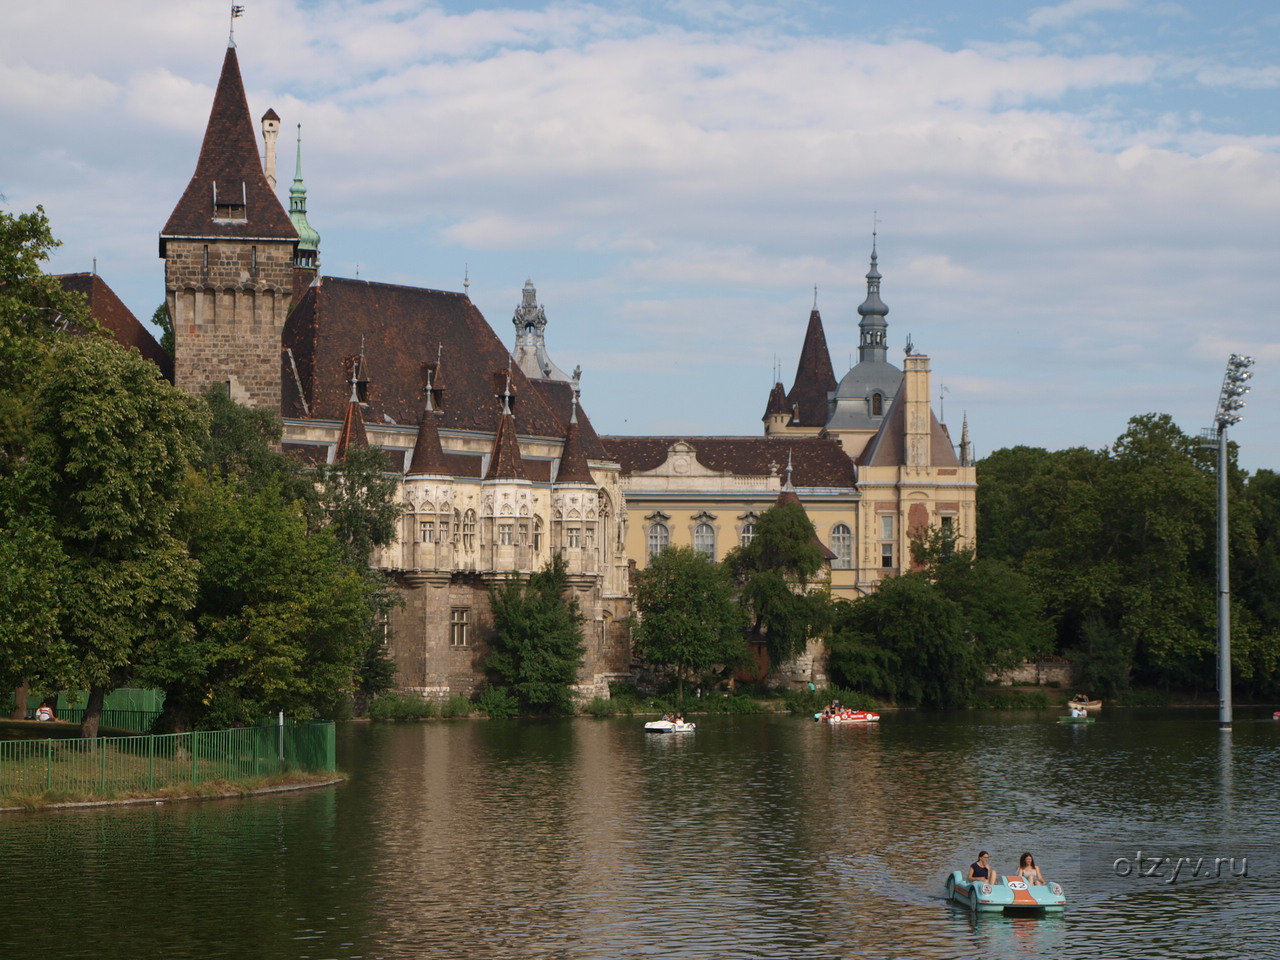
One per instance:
[(1145, 698), (457, 706), (1012, 700), (736, 703), (599, 707), (395, 706), (498, 703)]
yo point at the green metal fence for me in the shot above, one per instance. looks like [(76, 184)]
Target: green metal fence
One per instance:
[(113, 765)]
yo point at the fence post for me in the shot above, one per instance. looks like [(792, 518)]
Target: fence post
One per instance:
[(151, 761), (48, 764)]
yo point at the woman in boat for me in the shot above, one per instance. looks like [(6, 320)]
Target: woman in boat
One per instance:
[(981, 868), (1028, 870)]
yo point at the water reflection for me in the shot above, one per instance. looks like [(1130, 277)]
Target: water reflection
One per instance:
[(754, 837)]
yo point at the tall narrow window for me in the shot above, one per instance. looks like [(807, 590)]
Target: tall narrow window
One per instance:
[(877, 405), (426, 531), (704, 540), (574, 536), (842, 546), (506, 533), (886, 540), (253, 261), (659, 538), (748, 532), (459, 626), (469, 530)]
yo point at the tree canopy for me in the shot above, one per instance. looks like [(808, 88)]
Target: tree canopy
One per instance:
[(688, 612)]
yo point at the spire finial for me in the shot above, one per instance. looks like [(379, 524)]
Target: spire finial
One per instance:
[(787, 486), (237, 10), (875, 221), (466, 278), (815, 296)]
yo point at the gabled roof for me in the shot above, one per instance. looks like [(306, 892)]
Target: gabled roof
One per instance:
[(816, 461), (399, 331), (815, 379), (229, 168), (110, 311), (888, 448)]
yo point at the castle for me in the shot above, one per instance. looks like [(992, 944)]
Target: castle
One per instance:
[(500, 466)]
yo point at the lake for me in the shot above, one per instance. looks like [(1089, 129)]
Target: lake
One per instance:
[(768, 836)]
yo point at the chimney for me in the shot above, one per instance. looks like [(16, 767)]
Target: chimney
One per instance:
[(270, 130)]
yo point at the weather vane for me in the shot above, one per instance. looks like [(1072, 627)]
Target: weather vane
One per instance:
[(237, 10)]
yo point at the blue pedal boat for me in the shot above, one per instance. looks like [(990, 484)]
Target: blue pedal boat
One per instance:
[(1006, 894)]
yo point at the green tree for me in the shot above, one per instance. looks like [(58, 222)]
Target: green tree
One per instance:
[(689, 617), (34, 309), (929, 659), (281, 619), (537, 646), (104, 472), (778, 573), (162, 321)]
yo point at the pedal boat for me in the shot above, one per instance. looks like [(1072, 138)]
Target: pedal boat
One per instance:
[(669, 726), (1076, 718), (847, 716), (1007, 894)]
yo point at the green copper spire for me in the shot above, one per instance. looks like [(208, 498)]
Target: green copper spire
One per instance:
[(308, 240)]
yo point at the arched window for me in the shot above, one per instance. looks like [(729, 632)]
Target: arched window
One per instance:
[(659, 538), (469, 530), (842, 546), (877, 405), (748, 532), (704, 540)]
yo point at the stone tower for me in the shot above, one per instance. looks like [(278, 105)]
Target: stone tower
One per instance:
[(228, 251)]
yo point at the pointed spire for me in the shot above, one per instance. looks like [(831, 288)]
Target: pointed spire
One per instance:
[(573, 457), (787, 483), (815, 378), (228, 195), (428, 455), (505, 462), (777, 405), (966, 448), (307, 255), (873, 339), (353, 432)]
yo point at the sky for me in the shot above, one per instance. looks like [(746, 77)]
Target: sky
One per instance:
[(1075, 204)]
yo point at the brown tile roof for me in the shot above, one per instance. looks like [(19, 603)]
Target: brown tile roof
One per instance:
[(229, 162), (816, 461), (814, 376), (401, 331), (110, 311), (559, 398)]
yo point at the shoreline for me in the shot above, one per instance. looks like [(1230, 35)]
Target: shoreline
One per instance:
[(230, 791)]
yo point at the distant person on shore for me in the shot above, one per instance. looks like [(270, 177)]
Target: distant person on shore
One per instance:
[(45, 712)]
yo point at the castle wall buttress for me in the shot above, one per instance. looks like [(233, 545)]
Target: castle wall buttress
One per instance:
[(228, 300)]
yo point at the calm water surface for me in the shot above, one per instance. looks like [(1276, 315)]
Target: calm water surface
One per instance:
[(754, 837)]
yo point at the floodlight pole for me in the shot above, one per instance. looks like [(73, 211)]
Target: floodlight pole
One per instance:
[(1224, 589), (1234, 387)]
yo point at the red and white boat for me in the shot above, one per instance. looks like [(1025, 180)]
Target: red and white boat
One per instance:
[(846, 716)]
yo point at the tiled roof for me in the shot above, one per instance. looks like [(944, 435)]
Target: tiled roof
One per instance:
[(400, 331), (230, 165), (573, 460), (777, 402), (816, 461), (558, 396), (110, 311), (814, 377)]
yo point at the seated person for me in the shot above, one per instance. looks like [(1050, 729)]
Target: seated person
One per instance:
[(1028, 870), (981, 869), (45, 712)]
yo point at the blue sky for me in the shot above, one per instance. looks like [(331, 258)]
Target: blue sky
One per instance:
[(1077, 202)]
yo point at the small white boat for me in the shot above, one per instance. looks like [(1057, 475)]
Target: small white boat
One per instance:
[(669, 726)]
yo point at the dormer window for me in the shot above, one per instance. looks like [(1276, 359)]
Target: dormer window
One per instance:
[(877, 405), (231, 202)]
